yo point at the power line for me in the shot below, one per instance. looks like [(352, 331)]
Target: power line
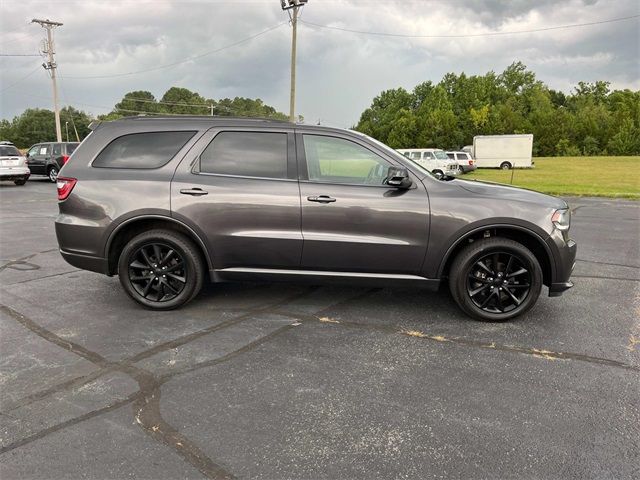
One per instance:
[(21, 79), (188, 59), (469, 35)]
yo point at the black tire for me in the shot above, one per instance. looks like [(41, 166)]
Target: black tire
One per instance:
[(52, 173), (505, 166), (20, 182), (461, 170), (184, 272), (438, 174), (507, 285)]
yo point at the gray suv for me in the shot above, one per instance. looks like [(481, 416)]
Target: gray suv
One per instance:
[(164, 202)]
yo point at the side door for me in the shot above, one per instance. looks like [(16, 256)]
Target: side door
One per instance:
[(238, 188), (351, 221), (38, 155), (56, 156)]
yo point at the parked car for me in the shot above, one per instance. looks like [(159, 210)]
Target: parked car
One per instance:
[(49, 157), (13, 165), (434, 160), (164, 202), (464, 160)]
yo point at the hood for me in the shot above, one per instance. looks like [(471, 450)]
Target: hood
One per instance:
[(509, 193)]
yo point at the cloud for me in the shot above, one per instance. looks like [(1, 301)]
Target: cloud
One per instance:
[(338, 72)]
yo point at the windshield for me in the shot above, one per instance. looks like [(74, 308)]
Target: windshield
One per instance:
[(394, 153), (440, 155)]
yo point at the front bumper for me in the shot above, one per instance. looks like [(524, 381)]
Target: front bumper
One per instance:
[(565, 261)]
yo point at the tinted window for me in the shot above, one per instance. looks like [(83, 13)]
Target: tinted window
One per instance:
[(71, 147), (249, 154), (450, 155), (57, 149), (142, 150), (336, 160), (462, 156), (9, 151)]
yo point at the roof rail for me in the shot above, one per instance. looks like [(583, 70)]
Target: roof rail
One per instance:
[(202, 117)]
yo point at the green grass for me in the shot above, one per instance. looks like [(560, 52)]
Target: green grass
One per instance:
[(617, 177)]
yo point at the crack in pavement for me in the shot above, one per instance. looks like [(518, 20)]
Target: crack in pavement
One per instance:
[(541, 353), (23, 260), (606, 263), (146, 401)]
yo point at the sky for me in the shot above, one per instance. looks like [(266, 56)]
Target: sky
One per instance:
[(205, 46)]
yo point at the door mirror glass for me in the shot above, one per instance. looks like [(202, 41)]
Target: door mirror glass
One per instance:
[(398, 177)]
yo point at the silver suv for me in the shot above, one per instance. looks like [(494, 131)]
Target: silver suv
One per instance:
[(13, 165), (433, 159), (167, 202)]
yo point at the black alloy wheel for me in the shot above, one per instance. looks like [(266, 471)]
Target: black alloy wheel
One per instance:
[(157, 272), (498, 282), (495, 279), (161, 269)]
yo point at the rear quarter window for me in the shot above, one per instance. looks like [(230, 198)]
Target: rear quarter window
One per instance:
[(142, 150), (71, 147)]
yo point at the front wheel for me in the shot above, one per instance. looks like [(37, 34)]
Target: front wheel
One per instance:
[(505, 166), (161, 269), (438, 174), (20, 182), (495, 279)]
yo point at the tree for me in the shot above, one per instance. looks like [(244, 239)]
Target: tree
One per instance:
[(626, 141)]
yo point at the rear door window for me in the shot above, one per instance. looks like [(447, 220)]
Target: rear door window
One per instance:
[(246, 154), (142, 150), (57, 149)]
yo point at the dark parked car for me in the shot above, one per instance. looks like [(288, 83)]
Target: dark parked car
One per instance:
[(49, 157), (165, 202)]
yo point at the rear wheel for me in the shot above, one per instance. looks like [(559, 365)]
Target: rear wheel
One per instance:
[(53, 174), (438, 174), (22, 181), (161, 269), (505, 166), (495, 279)]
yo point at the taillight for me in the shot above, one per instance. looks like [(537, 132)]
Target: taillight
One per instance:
[(65, 185), (65, 158)]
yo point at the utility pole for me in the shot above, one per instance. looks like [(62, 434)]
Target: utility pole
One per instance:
[(51, 65), (294, 6)]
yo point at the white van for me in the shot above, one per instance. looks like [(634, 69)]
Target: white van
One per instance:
[(433, 159), (503, 151)]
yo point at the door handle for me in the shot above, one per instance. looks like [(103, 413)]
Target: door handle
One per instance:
[(196, 192), (321, 199)]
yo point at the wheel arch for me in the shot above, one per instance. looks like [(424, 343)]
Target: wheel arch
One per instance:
[(525, 236), (133, 226)]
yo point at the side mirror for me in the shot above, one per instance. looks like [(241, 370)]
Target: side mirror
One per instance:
[(398, 177)]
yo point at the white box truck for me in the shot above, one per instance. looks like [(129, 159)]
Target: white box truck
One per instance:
[(503, 151)]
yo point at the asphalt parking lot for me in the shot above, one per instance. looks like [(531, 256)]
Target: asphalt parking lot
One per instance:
[(293, 381)]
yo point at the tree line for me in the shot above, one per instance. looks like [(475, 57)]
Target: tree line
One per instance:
[(591, 120), (36, 125)]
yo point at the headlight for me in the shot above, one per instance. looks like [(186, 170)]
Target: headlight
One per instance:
[(562, 219)]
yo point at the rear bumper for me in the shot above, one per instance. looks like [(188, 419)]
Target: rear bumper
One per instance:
[(86, 262), (7, 173)]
